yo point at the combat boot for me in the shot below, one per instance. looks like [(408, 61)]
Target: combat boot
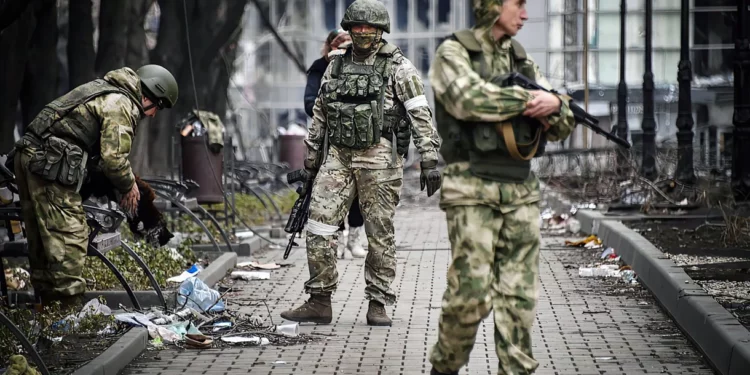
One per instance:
[(354, 243), (436, 372), (317, 309), (376, 315)]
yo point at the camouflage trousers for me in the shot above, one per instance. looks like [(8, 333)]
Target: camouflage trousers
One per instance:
[(56, 231), (335, 187), (495, 267)]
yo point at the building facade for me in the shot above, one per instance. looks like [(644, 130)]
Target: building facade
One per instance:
[(712, 24)]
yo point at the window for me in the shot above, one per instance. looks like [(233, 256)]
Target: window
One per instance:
[(715, 3), (572, 66), (402, 15), (423, 11), (714, 27), (331, 18), (712, 62), (664, 66), (443, 11), (666, 30), (555, 38), (470, 13)]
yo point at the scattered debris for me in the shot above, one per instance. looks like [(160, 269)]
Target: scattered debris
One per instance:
[(251, 275), (590, 242)]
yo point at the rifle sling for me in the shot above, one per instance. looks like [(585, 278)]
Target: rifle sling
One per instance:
[(510, 142)]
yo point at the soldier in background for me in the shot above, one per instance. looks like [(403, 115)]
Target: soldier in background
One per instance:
[(96, 120), (370, 104), (490, 196)]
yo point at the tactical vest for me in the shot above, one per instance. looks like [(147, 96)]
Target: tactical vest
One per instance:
[(354, 98), (62, 139), (496, 151)]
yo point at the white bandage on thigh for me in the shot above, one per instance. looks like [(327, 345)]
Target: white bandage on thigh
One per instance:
[(316, 227), (416, 102)]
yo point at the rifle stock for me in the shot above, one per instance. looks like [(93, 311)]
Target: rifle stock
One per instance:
[(298, 215), (581, 116)]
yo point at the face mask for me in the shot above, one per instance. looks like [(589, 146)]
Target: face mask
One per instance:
[(365, 42)]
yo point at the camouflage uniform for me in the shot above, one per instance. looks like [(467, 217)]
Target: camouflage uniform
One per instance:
[(493, 226), (55, 221), (374, 173)]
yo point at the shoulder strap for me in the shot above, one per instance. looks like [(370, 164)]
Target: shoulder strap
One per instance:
[(82, 94), (336, 61), (467, 39), (519, 53), (388, 49)]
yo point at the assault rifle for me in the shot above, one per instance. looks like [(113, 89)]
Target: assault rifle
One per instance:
[(301, 208), (581, 116)]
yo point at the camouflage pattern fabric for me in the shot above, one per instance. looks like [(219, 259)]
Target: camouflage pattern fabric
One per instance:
[(19, 366), (56, 231), (374, 175), (405, 89), (214, 127), (493, 226), (55, 221), (495, 267), (335, 186)]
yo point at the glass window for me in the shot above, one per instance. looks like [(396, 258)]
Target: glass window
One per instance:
[(402, 15), (666, 29), (635, 31), (423, 13), (667, 4), (329, 13), (470, 13), (555, 38), (712, 62), (555, 72), (664, 66), (570, 29), (556, 6), (572, 65), (608, 31), (608, 67), (715, 3), (444, 11), (714, 27)]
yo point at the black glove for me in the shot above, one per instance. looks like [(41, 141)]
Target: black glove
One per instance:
[(429, 177)]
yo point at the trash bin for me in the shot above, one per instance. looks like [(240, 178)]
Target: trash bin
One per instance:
[(197, 161), (292, 150)]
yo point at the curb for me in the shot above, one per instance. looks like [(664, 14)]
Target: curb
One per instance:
[(134, 342), (715, 331), (119, 355)]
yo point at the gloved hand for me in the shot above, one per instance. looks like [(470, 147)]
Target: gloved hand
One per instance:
[(429, 177)]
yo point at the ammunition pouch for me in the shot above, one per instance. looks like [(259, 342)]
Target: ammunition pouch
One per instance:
[(357, 126), (57, 160), (397, 129)]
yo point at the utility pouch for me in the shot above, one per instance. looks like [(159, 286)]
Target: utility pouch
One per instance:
[(59, 161)]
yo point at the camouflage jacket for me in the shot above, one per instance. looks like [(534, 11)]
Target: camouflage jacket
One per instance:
[(118, 116), (403, 88), (466, 96)]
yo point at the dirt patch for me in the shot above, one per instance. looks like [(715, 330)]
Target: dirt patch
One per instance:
[(76, 351), (710, 254)]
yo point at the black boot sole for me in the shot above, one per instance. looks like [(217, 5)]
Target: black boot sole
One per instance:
[(379, 324), (312, 320)]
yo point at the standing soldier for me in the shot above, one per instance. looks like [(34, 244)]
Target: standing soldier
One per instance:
[(94, 121), (371, 102), (489, 193)]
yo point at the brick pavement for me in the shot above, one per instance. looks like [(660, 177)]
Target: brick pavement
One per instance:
[(584, 326)]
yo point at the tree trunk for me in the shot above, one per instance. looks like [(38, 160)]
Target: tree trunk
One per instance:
[(137, 53), (81, 55), (40, 80), (14, 46), (113, 36)]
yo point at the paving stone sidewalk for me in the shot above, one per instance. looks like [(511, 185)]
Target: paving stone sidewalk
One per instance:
[(584, 325)]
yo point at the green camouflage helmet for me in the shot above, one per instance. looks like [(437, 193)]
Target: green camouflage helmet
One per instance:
[(158, 85), (367, 12), (484, 12)]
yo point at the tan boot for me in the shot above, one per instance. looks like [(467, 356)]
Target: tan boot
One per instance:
[(316, 310), (376, 315)]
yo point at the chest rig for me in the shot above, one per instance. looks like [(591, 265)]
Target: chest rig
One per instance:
[(496, 151), (354, 98)]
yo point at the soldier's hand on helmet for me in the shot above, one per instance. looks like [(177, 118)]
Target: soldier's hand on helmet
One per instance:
[(430, 177), (543, 104), (130, 200)]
